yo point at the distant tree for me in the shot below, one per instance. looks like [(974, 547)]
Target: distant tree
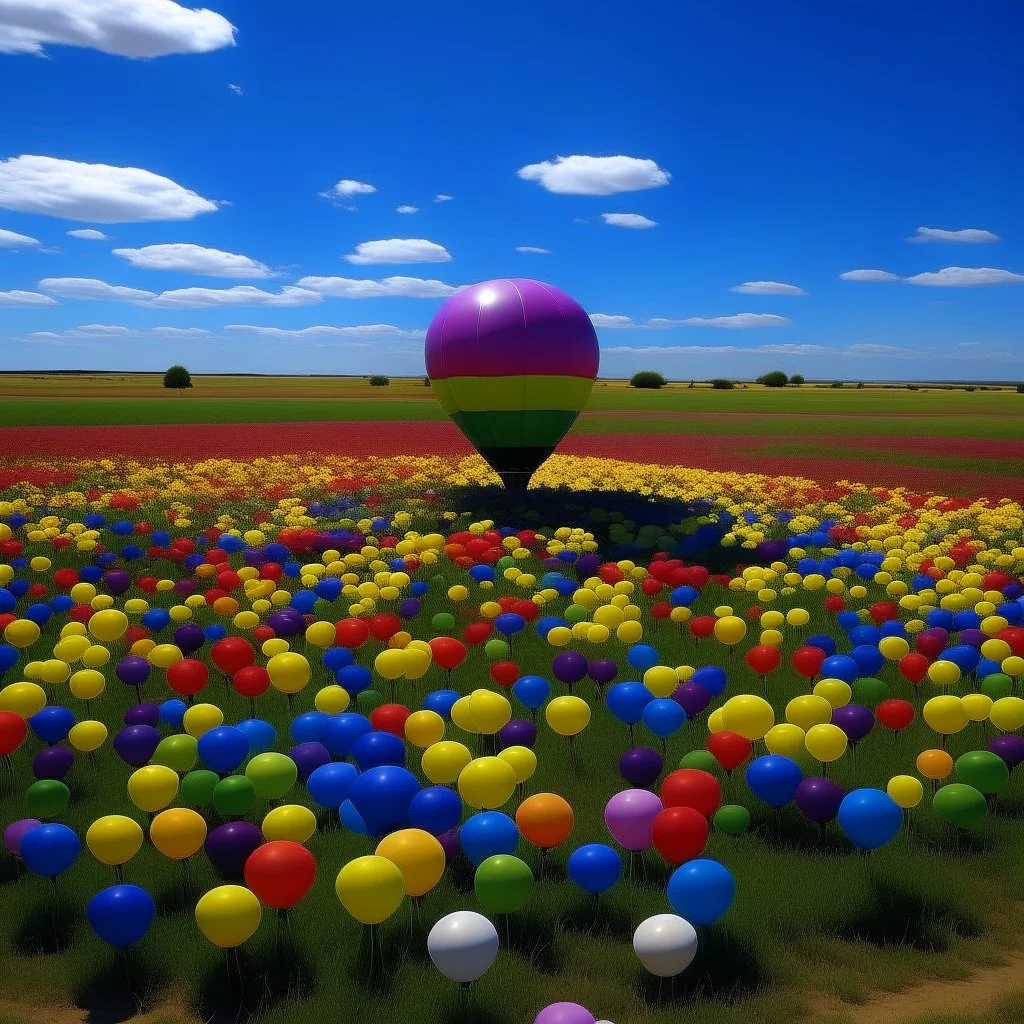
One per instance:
[(426, 382), (177, 377), (860, 385), (837, 383), (722, 384), (797, 379), (647, 379), (913, 387), (690, 385), (970, 387), (1020, 389), (773, 379), (378, 380)]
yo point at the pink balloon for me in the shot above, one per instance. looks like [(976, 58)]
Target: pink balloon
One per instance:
[(629, 816), (564, 1013)]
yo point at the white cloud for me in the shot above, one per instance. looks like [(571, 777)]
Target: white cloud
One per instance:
[(971, 236), (966, 277), (89, 234), (93, 289), (351, 187), (12, 240), (868, 349), (869, 275), (179, 332), (42, 336), (236, 89), (607, 320), (595, 175), (406, 208), (94, 192), (240, 295), (124, 28), (798, 350), (767, 288), (735, 321), (399, 250), (388, 287), (104, 331), (628, 220), (358, 331), (193, 259), (535, 249), (17, 298), (442, 198), (968, 344)]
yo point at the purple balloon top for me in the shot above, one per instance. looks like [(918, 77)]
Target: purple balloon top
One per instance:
[(511, 327)]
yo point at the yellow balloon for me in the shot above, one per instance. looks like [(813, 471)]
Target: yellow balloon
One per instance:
[(87, 736), (164, 655), (293, 822), (332, 700), (808, 710), (114, 839), (487, 782), (419, 857), (905, 790), (491, 711), (569, 716), (370, 888), (424, 728), (994, 649), (522, 759), (108, 625), (201, 718), (1007, 714), (87, 683), (730, 630), (462, 717), (893, 648), (71, 648), (152, 787), (629, 632), (785, 738), (178, 832), (23, 699), (274, 646), (661, 680), (228, 915), (944, 673), (95, 656), (835, 691), (1013, 666), (716, 721), (443, 762), (417, 661), (21, 633), (321, 634), (825, 742), (749, 715), (289, 672), (54, 671), (390, 664), (946, 714), (798, 617), (977, 706)]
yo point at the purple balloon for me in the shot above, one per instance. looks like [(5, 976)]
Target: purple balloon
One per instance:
[(564, 1013), (819, 799), (1013, 590), (692, 698), (135, 744), (640, 766), (228, 846), (286, 622), (142, 714), (117, 581), (569, 666), (553, 563), (53, 762), (1009, 747), (629, 816), (185, 586), (409, 608), (972, 637), (450, 844), (189, 638), (518, 733), (587, 565), (133, 671), (855, 720), (308, 757), (15, 831), (602, 670), (771, 551)]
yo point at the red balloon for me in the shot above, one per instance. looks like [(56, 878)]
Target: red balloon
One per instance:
[(929, 645), (390, 718), (764, 658), (478, 632), (505, 673), (913, 667), (691, 787), (895, 714), (13, 729), (251, 681), (528, 609), (729, 749), (261, 634), (448, 652), (231, 654), (651, 586), (661, 610), (187, 676), (679, 833), (351, 633), (884, 611), (807, 661), (384, 627), (280, 873), (133, 634), (1014, 636), (703, 626)]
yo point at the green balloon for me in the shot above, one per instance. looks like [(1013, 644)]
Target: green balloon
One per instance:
[(997, 685), (178, 752), (503, 883), (870, 692), (703, 760), (506, 562), (960, 805), (732, 819), (197, 787), (496, 649), (442, 622), (47, 798), (271, 775), (367, 700), (234, 795), (576, 613), (985, 771)]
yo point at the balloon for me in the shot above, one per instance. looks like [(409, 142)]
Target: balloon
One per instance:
[(223, 748), (136, 744), (785, 739), (748, 715), (503, 884), (291, 822), (490, 711), (626, 701), (423, 728), (665, 944), (114, 839), (1009, 748), (418, 855), (435, 809), (773, 779), (382, 797), (855, 720), (595, 867), (687, 787), (808, 660), (121, 914), (487, 834), (564, 1013), (545, 819), (960, 805), (49, 850), (370, 888), (945, 715), (569, 716), (329, 784), (895, 714), (153, 787), (663, 716), (178, 832), (374, 749), (522, 760), (108, 624), (819, 799), (981, 769), (15, 832), (869, 818), (729, 749), (640, 766), (228, 915), (178, 752), (23, 699), (826, 743), (934, 764), (289, 672), (232, 654), (913, 667), (52, 724), (463, 946), (487, 782), (48, 797), (201, 718), (228, 846), (187, 677), (252, 681), (447, 652), (808, 710), (331, 700), (271, 774), (701, 891), (732, 819), (905, 790), (197, 787), (1007, 714), (630, 815), (443, 762), (280, 873), (679, 833), (234, 796)]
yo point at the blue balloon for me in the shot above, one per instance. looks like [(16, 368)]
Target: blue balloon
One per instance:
[(643, 656), (306, 728), (329, 589), (773, 779), (382, 796), (988, 667), (340, 731), (531, 691), (214, 632), (845, 620), (869, 818), (262, 735), (509, 623), (663, 716), (711, 677), (595, 867), (840, 666), (121, 914), (940, 617), (965, 657), (684, 595), (336, 658), (223, 749), (868, 659), (8, 657), (39, 613), (864, 634), (156, 619), (701, 890), (354, 678), (352, 819), (626, 701), (547, 623), (304, 601), (172, 712), (329, 784), (49, 850), (8, 602), (52, 723), (436, 810), (441, 702), (823, 642), (893, 627), (485, 834), (966, 619), (373, 749), (481, 573)]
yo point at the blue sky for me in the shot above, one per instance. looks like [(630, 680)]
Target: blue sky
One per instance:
[(770, 148)]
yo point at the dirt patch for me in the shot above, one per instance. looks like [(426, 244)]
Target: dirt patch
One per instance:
[(173, 1007)]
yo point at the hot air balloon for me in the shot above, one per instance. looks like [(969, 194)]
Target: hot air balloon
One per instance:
[(512, 362)]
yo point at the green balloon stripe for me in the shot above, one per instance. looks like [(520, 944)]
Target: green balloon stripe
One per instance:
[(533, 392), (537, 428)]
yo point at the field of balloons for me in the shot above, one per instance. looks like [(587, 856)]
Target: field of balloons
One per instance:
[(286, 734)]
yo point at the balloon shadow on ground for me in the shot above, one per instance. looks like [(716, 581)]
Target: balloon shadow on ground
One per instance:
[(599, 918), (948, 841), (533, 938), (465, 1011), (783, 831), (47, 928), (725, 969), (125, 985), (898, 917), (181, 896), (11, 869)]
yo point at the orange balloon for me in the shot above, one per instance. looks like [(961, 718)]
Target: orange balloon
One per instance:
[(546, 819), (934, 764)]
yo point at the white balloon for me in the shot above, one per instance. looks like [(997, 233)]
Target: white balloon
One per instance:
[(463, 945), (665, 944)]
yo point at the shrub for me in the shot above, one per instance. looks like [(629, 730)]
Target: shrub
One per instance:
[(722, 384), (1020, 389), (773, 379), (647, 379), (860, 384), (970, 387), (378, 380), (690, 385), (913, 387), (177, 377), (797, 379), (837, 383), (426, 382)]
